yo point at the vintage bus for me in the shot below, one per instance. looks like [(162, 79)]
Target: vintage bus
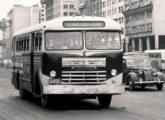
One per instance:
[(69, 56)]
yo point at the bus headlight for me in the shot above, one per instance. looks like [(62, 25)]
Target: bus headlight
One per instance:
[(113, 72), (52, 74)]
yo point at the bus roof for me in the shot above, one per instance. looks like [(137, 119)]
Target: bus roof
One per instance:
[(57, 24)]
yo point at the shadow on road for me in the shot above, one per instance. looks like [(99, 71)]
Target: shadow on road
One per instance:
[(67, 104)]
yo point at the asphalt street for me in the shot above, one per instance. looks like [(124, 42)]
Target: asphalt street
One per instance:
[(148, 104)]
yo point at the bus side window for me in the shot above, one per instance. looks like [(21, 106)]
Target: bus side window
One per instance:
[(24, 44), (40, 43), (36, 44), (21, 45), (17, 45), (28, 44), (13, 40)]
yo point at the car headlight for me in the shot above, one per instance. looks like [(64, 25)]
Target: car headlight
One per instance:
[(113, 72), (53, 74), (140, 72), (155, 71)]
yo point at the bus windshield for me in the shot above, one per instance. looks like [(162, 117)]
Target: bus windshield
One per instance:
[(102, 40), (64, 40)]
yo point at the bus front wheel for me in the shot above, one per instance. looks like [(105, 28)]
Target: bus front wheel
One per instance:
[(22, 91), (45, 101), (104, 100)]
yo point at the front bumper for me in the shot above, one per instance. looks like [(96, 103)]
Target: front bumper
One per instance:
[(149, 82), (111, 86)]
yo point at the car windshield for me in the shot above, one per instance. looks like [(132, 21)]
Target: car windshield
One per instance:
[(138, 62), (64, 40), (105, 40)]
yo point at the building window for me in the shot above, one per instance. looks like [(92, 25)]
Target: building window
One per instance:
[(71, 13), (149, 27), (162, 42), (65, 14), (104, 14), (104, 4), (149, 14), (71, 6), (65, 6)]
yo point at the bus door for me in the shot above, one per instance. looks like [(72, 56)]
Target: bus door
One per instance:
[(36, 61), (13, 61), (32, 61)]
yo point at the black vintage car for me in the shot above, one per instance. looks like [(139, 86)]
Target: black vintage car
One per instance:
[(138, 71)]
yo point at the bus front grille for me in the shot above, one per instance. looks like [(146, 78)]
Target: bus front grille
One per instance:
[(83, 77)]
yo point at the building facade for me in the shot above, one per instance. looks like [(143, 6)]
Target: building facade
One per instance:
[(1, 46), (15, 21), (90, 7), (113, 9), (43, 13), (2, 36), (103, 8), (144, 24), (58, 8)]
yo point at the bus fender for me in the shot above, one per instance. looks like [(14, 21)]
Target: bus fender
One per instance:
[(37, 84)]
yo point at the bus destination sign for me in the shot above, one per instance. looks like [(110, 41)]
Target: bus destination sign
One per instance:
[(83, 24)]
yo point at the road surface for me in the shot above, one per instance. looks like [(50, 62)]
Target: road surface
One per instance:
[(148, 104)]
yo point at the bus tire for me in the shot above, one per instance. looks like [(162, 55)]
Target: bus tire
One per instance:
[(159, 87), (45, 101), (22, 91), (104, 100), (17, 81), (37, 86)]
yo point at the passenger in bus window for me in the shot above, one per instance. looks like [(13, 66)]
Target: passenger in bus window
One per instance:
[(50, 44)]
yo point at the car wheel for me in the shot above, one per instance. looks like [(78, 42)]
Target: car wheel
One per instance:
[(143, 86), (104, 100), (159, 87), (131, 85)]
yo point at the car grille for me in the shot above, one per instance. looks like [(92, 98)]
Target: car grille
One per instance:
[(148, 75), (83, 77)]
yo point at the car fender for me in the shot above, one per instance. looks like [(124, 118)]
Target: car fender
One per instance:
[(161, 76)]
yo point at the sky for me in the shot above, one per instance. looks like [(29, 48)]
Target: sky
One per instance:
[(6, 5)]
